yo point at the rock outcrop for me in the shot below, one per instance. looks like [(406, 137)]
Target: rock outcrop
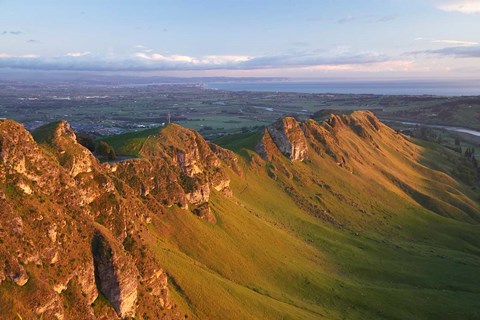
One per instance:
[(288, 137), (70, 154), (295, 140), (77, 219), (115, 275), (178, 167), (16, 272)]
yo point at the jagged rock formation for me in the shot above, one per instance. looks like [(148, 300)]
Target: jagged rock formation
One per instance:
[(294, 140), (71, 155), (115, 274), (286, 134), (80, 220), (178, 167)]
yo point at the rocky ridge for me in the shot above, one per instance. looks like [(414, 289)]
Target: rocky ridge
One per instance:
[(294, 139), (71, 226), (75, 229)]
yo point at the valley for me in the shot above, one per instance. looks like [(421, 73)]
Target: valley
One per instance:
[(112, 108)]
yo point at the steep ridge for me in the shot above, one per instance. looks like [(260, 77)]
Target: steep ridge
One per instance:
[(322, 220), (363, 145), (55, 196)]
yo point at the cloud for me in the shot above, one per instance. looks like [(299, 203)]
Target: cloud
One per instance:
[(307, 59), (11, 32), (463, 6), (457, 42), (456, 52), (23, 56), (367, 19), (33, 41), (387, 18), (377, 67), (206, 60), (77, 54), (348, 19), (144, 61)]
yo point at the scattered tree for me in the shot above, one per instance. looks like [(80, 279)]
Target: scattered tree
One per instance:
[(86, 140), (103, 149), (457, 141)]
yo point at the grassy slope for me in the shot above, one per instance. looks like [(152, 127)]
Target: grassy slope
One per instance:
[(130, 143), (269, 258)]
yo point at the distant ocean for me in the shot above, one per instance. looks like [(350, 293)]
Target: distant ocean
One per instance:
[(464, 88)]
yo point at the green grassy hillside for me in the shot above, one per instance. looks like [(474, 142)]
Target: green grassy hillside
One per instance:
[(130, 143), (391, 240)]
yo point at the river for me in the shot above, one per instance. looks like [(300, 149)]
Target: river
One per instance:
[(450, 128)]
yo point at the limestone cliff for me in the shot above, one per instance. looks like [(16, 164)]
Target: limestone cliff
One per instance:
[(70, 154), (287, 135), (79, 221), (116, 275), (295, 140), (178, 167)]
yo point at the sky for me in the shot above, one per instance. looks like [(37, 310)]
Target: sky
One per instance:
[(365, 39)]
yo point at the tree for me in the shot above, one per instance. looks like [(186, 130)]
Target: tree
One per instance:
[(105, 150), (86, 140), (457, 141)]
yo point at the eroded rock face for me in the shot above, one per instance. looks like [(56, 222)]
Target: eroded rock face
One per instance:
[(178, 167), (86, 279), (23, 160), (16, 272), (227, 156), (287, 135), (115, 275), (49, 306), (153, 178), (266, 147), (71, 155), (198, 193), (67, 197), (156, 280), (205, 212), (294, 139)]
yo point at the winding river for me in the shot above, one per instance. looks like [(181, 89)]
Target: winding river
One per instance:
[(450, 128)]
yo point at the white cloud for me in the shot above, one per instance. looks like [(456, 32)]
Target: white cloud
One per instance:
[(456, 42), (452, 42), (456, 52), (22, 56), (77, 54), (144, 61), (205, 60), (226, 59), (164, 58), (463, 6), (29, 56), (387, 66)]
